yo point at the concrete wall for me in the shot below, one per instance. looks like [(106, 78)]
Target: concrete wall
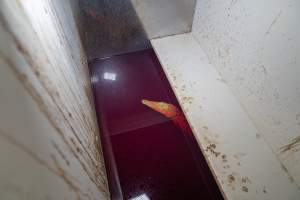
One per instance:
[(49, 145), (255, 46)]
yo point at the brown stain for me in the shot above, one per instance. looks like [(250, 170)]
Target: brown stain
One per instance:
[(244, 188), (235, 180), (291, 146), (211, 148), (187, 99), (88, 93), (53, 94), (231, 178), (245, 180), (39, 101), (231, 181), (75, 145), (93, 172), (224, 158)]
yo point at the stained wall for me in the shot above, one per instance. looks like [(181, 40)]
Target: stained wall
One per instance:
[(255, 47), (49, 144)]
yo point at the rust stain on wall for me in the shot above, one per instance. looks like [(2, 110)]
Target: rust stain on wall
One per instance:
[(235, 181), (244, 188), (291, 146), (212, 149), (39, 100), (58, 83)]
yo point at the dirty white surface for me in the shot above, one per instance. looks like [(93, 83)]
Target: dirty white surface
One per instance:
[(165, 17), (49, 146), (255, 46), (244, 165)]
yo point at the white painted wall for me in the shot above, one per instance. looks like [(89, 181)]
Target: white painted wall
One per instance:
[(49, 145), (165, 17), (244, 166), (255, 46)]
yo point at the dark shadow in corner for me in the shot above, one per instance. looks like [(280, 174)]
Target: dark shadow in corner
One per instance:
[(109, 27)]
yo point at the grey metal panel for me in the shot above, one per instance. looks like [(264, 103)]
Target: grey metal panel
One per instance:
[(111, 27), (165, 17)]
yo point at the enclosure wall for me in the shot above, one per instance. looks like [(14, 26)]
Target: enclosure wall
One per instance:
[(49, 144), (255, 46)]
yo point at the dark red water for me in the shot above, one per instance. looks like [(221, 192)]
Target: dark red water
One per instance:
[(146, 155)]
